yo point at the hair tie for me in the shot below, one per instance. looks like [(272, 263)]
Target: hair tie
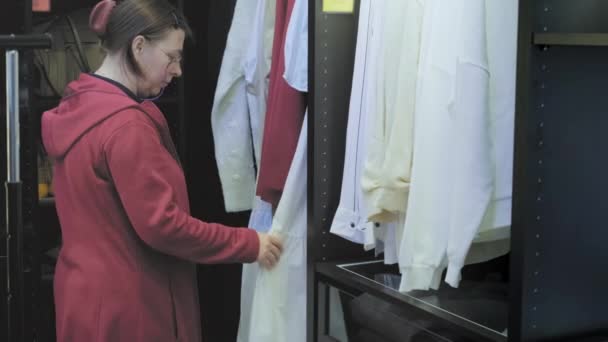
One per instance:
[(98, 20)]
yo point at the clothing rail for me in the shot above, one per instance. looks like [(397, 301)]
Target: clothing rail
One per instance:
[(25, 41), (571, 39)]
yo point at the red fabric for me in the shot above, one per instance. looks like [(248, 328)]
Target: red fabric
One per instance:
[(126, 268), (284, 116)]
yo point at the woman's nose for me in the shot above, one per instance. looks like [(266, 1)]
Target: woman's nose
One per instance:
[(176, 70)]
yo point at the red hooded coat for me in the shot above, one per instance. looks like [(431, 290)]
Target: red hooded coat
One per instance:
[(126, 268)]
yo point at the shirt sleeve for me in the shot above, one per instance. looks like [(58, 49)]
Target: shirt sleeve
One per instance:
[(142, 170), (230, 116), (387, 170)]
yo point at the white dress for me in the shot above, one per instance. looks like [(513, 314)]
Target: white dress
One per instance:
[(279, 301)]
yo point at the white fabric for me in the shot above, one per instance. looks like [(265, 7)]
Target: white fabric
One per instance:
[(238, 109), (487, 214), (387, 169), (453, 168), (382, 239), (279, 302), (261, 216), (386, 240), (261, 221), (470, 157), (350, 220), (296, 47), (256, 64), (388, 236), (423, 248), (388, 96)]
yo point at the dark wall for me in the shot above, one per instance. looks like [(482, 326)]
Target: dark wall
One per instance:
[(219, 285)]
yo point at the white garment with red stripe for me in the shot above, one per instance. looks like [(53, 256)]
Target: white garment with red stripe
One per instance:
[(278, 310)]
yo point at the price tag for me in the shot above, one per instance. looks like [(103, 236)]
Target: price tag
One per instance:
[(339, 6)]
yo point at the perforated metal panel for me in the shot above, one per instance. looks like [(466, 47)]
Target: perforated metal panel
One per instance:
[(559, 215), (332, 40)]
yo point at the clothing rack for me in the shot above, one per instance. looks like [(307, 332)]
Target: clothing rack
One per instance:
[(557, 281)]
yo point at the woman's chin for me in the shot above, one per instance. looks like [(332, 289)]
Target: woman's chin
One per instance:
[(154, 92)]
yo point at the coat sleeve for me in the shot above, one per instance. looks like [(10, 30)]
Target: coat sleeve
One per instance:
[(230, 116), (140, 168)]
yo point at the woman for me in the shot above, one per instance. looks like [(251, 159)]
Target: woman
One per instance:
[(126, 270)]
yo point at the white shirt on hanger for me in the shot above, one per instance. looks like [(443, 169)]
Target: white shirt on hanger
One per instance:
[(238, 109), (453, 173), (350, 220), (256, 65), (425, 237), (296, 47), (387, 169), (485, 215)]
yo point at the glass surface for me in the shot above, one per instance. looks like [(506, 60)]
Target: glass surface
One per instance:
[(366, 318), (337, 323), (484, 302)]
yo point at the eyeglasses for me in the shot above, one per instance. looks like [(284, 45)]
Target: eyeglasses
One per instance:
[(173, 59)]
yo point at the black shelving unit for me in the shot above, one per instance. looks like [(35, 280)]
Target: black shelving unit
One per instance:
[(558, 215), (556, 269)]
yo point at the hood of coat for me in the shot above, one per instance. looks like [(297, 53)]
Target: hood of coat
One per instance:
[(87, 102)]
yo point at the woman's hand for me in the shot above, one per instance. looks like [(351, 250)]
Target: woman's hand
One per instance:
[(271, 248)]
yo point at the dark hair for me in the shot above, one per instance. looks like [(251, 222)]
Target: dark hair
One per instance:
[(149, 18)]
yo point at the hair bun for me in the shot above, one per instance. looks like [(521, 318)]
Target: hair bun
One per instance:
[(98, 20)]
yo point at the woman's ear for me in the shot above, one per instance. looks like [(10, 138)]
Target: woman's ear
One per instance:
[(137, 46)]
